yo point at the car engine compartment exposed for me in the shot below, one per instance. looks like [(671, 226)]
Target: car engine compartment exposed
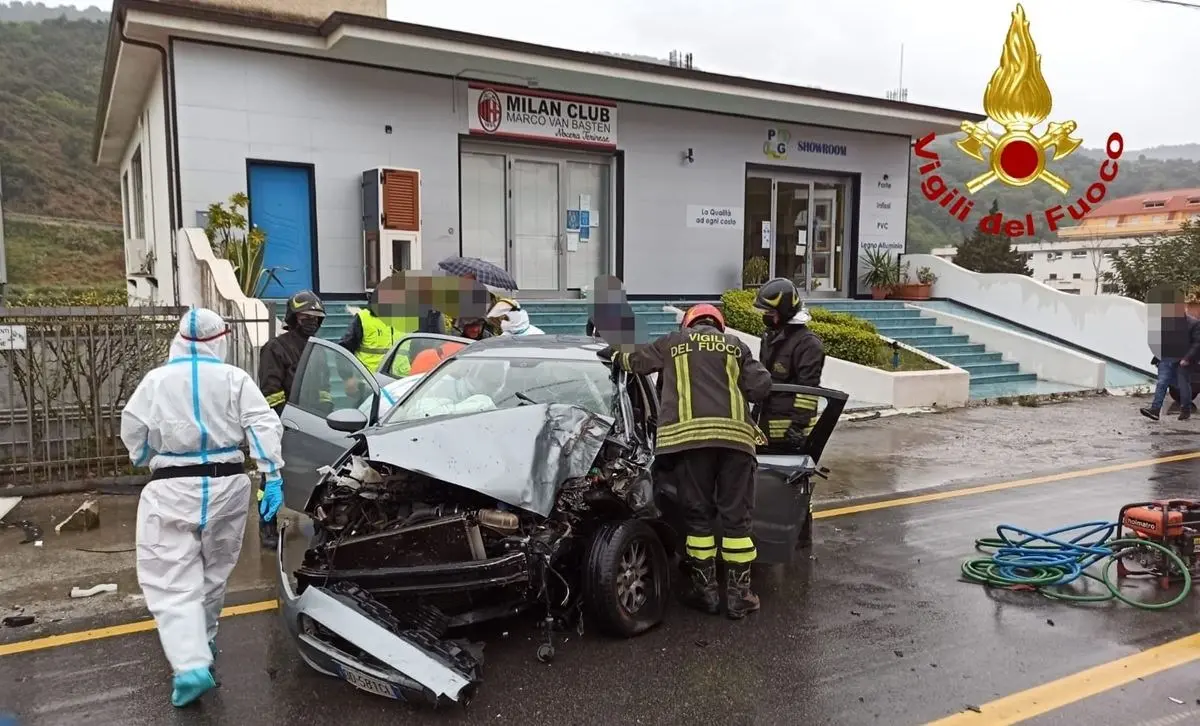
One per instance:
[(439, 556)]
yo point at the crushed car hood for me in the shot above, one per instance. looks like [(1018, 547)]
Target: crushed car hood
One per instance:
[(519, 456)]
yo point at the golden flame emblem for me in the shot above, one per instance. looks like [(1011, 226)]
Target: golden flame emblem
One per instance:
[(1018, 99)]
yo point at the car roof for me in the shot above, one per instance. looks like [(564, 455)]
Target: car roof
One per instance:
[(551, 347)]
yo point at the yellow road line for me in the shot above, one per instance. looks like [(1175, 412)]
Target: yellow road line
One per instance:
[(1053, 695), (1000, 486), (141, 626)]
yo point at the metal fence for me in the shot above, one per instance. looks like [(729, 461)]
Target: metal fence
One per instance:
[(65, 375)]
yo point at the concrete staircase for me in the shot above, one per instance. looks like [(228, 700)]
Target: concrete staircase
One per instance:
[(908, 325), (569, 317)]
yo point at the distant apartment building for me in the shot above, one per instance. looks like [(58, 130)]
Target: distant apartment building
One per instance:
[(1077, 260)]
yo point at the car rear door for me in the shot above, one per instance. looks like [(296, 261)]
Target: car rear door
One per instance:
[(784, 481), (328, 378)]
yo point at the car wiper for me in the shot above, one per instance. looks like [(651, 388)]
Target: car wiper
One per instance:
[(525, 399)]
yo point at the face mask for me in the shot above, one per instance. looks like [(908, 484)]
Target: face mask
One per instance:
[(769, 319), (309, 326)]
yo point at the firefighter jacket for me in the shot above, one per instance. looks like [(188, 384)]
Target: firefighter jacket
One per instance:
[(370, 337), (794, 355), (707, 378), (277, 368)]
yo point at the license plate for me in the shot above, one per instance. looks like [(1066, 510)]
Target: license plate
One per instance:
[(367, 683)]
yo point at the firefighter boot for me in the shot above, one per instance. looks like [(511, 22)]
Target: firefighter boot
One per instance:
[(702, 592), (740, 600)]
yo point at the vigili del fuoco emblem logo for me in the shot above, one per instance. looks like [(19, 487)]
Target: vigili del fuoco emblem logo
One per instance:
[(1018, 100)]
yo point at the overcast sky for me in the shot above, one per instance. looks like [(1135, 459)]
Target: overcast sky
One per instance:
[(1126, 65)]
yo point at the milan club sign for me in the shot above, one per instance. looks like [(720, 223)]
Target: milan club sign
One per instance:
[(517, 113)]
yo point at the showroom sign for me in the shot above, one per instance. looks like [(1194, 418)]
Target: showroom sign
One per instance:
[(517, 113), (779, 142)]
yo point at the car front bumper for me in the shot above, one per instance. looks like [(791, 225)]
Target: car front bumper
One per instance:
[(351, 637)]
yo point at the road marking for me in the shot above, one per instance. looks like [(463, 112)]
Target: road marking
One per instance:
[(142, 626), (1053, 695), (999, 486)]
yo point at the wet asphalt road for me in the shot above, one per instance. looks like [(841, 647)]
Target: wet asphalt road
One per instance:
[(876, 628)]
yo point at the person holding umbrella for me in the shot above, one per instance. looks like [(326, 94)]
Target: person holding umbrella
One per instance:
[(485, 273)]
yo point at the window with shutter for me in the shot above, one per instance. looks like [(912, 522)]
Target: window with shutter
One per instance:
[(401, 201)]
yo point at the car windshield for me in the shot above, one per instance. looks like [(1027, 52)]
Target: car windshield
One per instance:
[(472, 384)]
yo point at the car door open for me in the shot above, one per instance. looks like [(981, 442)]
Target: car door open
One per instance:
[(413, 353), (328, 379), (784, 488)]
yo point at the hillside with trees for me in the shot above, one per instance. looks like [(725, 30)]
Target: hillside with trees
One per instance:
[(930, 226)]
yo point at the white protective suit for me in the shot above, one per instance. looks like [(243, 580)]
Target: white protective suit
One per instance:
[(195, 409)]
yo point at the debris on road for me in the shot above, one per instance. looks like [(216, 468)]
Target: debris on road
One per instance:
[(17, 621), (1174, 700), (93, 590), (86, 516), (976, 709)]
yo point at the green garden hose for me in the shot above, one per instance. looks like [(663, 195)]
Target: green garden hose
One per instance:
[(1047, 562)]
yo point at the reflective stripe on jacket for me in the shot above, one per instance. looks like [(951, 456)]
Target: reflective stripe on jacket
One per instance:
[(707, 378)]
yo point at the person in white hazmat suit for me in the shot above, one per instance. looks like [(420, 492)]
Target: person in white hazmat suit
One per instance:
[(187, 420)]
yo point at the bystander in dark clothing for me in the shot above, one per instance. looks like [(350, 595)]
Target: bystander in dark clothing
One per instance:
[(1180, 351)]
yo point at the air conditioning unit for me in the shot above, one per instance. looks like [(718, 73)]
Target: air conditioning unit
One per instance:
[(391, 204)]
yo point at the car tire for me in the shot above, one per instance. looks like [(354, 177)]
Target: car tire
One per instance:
[(626, 579)]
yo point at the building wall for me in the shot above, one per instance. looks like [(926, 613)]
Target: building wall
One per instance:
[(234, 105), (151, 138), (659, 186), (1065, 265)]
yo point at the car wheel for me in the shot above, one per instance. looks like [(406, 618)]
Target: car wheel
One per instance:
[(626, 578)]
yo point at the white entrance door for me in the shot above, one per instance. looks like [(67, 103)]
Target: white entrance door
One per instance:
[(536, 238), (587, 253), (484, 228)]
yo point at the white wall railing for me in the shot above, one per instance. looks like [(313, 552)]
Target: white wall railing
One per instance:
[(206, 280), (1108, 325)]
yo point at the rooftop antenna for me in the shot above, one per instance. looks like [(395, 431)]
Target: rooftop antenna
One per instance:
[(899, 93)]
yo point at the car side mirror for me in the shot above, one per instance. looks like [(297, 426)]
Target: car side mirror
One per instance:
[(348, 420)]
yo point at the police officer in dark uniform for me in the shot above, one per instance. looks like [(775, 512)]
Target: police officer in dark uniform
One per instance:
[(794, 355), (277, 367), (709, 378)]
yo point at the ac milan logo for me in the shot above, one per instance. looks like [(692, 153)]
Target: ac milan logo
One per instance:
[(490, 111)]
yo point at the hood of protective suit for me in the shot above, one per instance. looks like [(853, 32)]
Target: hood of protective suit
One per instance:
[(520, 456), (202, 334), (517, 323)]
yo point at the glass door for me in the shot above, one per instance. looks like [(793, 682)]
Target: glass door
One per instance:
[(828, 236), (791, 257), (757, 244)]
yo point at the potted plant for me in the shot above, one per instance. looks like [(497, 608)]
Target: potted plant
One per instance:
[(924, 285), (754, 272), (882, 273)]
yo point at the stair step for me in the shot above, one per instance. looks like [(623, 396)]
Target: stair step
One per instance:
[(889, 327), (981, 369), (954, 348), (922, 341), (964, 359), (885, 314), (1002, 378)]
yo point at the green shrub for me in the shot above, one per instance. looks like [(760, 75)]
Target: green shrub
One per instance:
[(821, 315), (848, 343), (843, 335), (66, 297)]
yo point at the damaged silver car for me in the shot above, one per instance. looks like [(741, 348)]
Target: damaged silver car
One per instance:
[(516, 476)]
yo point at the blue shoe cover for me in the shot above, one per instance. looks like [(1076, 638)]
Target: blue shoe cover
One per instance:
[(191, 685)]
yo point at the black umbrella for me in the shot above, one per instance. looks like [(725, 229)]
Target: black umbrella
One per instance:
[(482, 270)]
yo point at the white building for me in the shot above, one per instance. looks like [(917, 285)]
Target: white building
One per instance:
[(1077, 261), (366, 144)]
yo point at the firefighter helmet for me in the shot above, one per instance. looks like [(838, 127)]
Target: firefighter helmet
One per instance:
[(703, 314), (780, 296)]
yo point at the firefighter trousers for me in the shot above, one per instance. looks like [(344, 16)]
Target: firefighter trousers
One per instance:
[(716, 485)]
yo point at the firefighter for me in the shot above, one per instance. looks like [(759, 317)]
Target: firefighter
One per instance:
[(794, 355), (277, 367), (708, 439)]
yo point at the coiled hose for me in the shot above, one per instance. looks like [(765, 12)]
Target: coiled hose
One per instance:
[(1048, 562)]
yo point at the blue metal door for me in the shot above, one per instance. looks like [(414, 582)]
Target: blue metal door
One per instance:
[(281, 203)]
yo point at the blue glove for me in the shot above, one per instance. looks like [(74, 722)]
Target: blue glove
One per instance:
[(272, 499)]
